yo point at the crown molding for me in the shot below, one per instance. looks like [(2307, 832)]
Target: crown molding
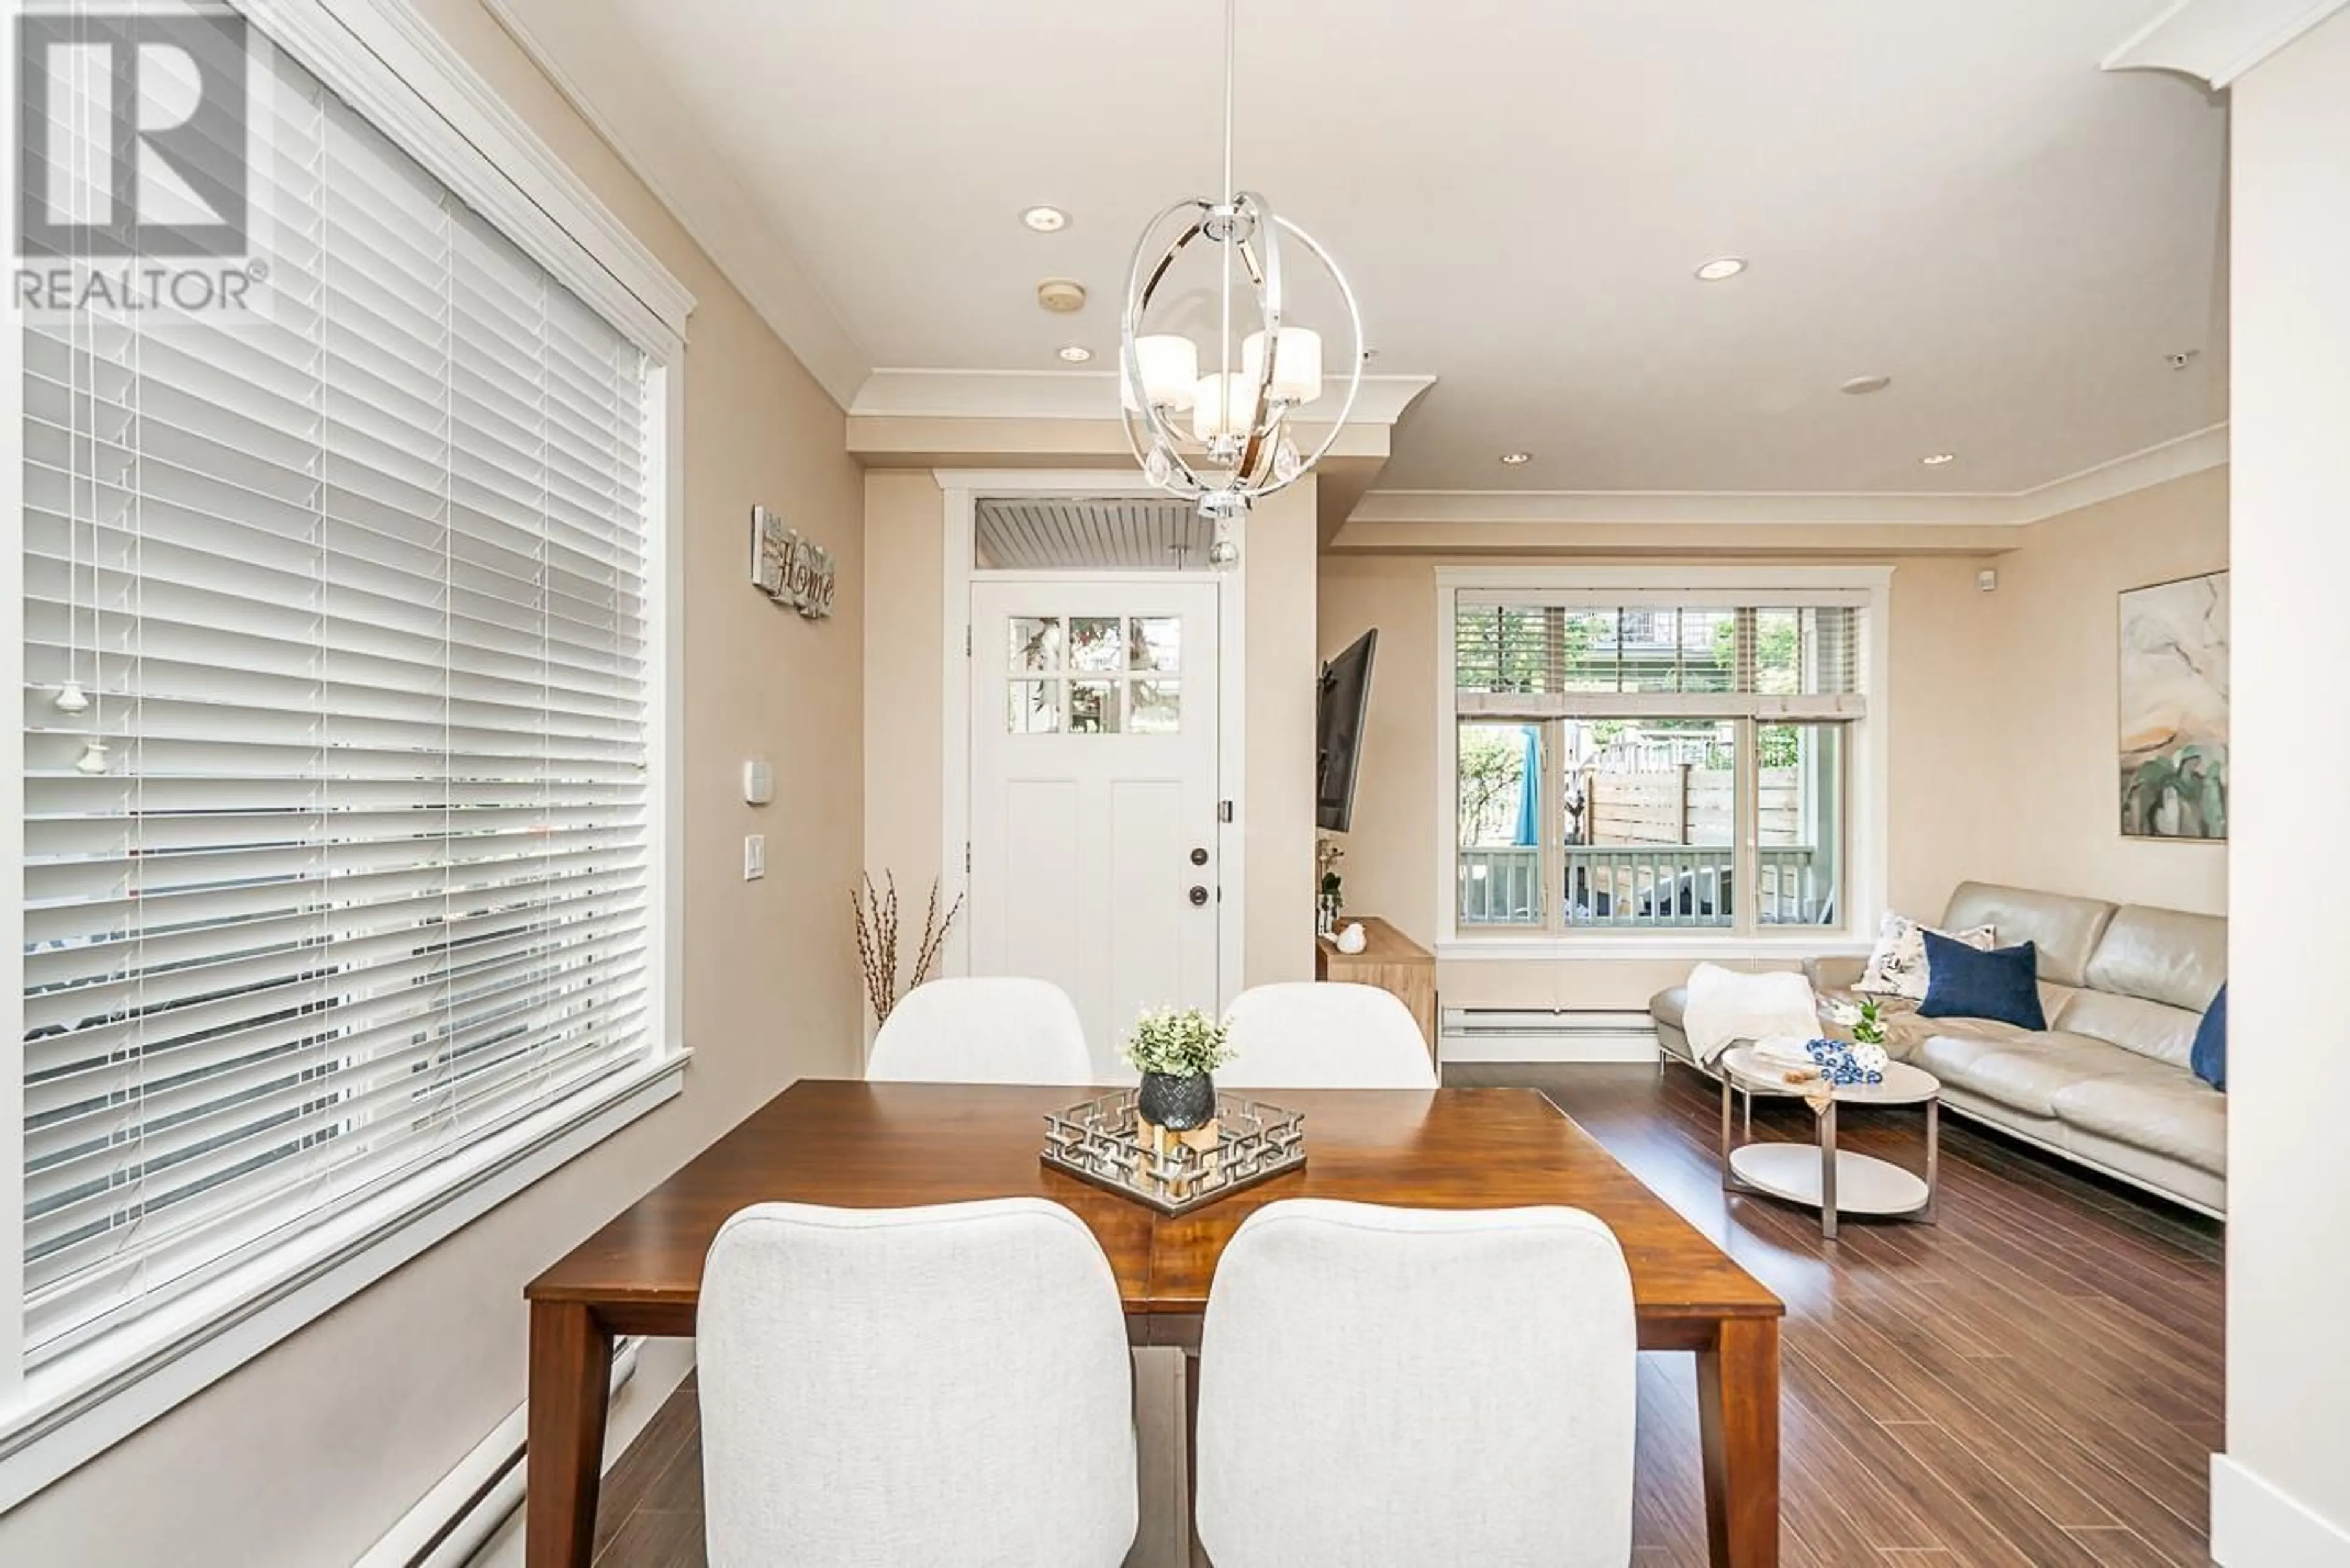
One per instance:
[(2218, 40), (2157, 464), (604, 84), (926, 394)]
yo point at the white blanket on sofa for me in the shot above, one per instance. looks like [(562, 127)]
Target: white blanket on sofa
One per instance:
[(1725, 1006)]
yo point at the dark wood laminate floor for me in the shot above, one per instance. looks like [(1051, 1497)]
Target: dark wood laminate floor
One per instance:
[(2034, 1383)]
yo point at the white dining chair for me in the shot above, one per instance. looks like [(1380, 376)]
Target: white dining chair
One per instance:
[(1313, 1034), (944, 1384), (1389, 1387), (982, 1030)]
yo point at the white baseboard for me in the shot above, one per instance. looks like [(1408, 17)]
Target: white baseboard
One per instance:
[(472, 1517), (2254, 1525), (1546, 1035)]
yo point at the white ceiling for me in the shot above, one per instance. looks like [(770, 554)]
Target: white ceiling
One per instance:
[(1947, 191)]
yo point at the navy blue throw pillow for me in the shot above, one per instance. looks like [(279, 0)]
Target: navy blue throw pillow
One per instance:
[(2209, 1057), (1967, 983)]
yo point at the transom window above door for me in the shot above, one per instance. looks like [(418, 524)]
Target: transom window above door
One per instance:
[(1079, 674)]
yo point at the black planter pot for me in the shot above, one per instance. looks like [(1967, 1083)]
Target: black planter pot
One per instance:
[(1176, 1102)]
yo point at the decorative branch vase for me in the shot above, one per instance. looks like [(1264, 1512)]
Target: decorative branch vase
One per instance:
[(1178, 1102)]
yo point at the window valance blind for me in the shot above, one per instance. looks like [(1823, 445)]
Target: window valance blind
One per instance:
[(344, 865), (1658, 655)]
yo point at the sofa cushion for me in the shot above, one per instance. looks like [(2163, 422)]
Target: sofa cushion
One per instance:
[(2151, 1029), (2163, 955), (2067, 930), (2021, 1068), (2170, 1113), (1962, 982), (2209, 1059)]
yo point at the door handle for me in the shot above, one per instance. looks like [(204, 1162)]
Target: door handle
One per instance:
[(1198, 895)]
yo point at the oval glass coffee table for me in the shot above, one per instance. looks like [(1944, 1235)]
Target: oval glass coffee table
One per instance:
[(1827, 1179)]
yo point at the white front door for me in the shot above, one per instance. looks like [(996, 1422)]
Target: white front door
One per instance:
[(1093, 794)]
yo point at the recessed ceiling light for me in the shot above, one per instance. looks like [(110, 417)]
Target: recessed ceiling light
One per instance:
[(1720, 267), (1045, 219), (1936, 458), (1077, 353), (1516, 459), (1861, 386)]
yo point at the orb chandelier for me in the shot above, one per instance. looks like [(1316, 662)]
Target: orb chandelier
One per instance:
[(1221, 435)]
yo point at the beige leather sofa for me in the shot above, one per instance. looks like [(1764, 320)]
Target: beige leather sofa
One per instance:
[(2107, 1083)]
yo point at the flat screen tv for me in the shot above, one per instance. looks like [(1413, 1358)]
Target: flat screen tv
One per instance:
[(1339, 730)]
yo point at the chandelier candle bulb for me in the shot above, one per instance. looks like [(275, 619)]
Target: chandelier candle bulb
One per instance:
[(1171, 370), (1297, 363), (1222, 405)]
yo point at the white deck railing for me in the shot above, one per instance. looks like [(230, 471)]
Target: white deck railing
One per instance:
[(1639, 885)]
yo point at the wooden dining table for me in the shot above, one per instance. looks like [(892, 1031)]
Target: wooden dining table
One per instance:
[(863, 1145)]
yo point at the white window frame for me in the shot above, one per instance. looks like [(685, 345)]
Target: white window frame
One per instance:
[(1867, 769), (383, 59)]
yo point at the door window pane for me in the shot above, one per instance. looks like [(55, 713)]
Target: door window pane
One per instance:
[(1157, 708), (1801, 824), (1499, 819), (1093, 706), (1035, 642), (1650, 812), (1097, 643), (1155, 642), (1034, 708)]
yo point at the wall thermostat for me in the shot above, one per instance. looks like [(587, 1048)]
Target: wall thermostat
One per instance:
[(758, 782)]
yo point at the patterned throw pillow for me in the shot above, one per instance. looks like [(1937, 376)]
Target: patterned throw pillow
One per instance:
[(1896, 966)]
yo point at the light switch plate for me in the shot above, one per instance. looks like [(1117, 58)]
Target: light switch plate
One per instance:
[(754, 857)]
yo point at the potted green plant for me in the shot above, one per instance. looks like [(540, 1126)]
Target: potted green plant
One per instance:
[(1176, 1053), (1868, 1028)]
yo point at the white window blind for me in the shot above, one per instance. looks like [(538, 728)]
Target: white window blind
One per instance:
[(346, 863), (1658, 653)]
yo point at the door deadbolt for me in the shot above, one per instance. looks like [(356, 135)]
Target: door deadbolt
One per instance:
[(1199, 894), (1198, 857)]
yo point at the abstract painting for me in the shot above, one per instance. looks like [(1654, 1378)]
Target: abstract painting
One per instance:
[(2173, 708)]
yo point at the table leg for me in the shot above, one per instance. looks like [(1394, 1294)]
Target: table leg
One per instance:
[(1933, 1161), (1827, 1172), (570, 1390), (1725, 1129), (1738, 1427)]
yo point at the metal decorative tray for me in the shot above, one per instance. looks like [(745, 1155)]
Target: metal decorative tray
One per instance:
[(1104, 1141)]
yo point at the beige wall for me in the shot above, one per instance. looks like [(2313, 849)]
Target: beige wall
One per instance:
[(1996, 700), (2281, 1492), (306, 1455), (2057, 715), (1279, 562), (904, 651)]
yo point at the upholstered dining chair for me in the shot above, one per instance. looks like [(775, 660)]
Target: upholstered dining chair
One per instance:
[(1398, 1387), (894, 1385), (1311, 1035), (982, 1030)]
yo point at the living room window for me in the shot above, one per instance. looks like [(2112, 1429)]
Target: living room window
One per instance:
[(1654, 758)]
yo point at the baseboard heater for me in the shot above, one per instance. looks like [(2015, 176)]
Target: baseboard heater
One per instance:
[(1547, 1035), (452, 1520)]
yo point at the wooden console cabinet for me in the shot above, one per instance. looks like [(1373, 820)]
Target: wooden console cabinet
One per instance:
[(1390, 960)]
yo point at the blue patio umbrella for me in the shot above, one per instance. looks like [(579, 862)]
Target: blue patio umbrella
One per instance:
[(1529, 791)]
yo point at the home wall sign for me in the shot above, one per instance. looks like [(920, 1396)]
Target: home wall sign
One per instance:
[(788, 567)]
